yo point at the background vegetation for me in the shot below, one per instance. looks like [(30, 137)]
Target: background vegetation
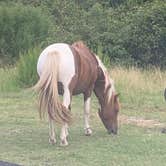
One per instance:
[(128, 32), (24, 138)]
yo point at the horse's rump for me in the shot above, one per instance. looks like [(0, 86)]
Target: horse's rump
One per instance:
[(47, 87)]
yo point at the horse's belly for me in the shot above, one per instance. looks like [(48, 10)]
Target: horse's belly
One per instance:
[(85, 84), (78, 91)]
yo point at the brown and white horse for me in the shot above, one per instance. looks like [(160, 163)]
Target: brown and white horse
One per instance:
[(70, 70)]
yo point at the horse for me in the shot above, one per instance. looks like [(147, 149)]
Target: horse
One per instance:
[(69, 70)]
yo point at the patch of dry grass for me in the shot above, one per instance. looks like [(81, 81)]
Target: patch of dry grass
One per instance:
[(136, 85), (137, 79)]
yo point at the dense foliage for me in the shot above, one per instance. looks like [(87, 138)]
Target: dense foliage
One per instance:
[(21, 28), (26, 68), (129, 32)]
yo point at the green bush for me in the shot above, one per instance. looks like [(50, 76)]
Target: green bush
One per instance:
[(147, 35), (21, 27), (27, 68), (138, 35), (129, 32)]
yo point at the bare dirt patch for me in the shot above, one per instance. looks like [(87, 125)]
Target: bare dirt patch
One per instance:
[(138, 121)]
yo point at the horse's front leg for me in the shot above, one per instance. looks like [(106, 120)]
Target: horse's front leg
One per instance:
[(64, 129), (87, 128)]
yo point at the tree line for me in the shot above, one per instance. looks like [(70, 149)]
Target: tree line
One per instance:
[(126, 32)]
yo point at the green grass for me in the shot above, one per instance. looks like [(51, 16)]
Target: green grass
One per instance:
[(24, 138), (8, 81)]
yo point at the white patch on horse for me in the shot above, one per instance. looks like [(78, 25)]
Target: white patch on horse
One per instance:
[(64, 129), (66, 61), (88, 131), (108, 80), (66, 71)]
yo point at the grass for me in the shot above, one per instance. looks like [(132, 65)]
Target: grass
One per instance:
[(142, 92), (8, 81), (24, 138)]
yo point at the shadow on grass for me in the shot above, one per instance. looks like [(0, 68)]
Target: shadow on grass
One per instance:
[(3, 163)]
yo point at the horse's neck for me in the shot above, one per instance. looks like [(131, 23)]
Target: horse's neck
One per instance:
[(99, 92), (100, 88), (104, 86)]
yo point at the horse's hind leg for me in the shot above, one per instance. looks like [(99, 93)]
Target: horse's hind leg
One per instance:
[(52, 139), (87, 128), (64, 129), (64, 134)]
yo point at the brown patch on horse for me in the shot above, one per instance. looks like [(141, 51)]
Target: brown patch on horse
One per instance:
[(86, 67), (99, 87), (91, 77)]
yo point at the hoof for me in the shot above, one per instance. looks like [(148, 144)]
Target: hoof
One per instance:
[(52, 141), (64, 143), (88, 132)]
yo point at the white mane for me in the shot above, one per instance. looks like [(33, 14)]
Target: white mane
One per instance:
[(107, 79)]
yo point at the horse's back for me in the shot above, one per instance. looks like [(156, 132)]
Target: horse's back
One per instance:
[(86, 68), (78, 67)]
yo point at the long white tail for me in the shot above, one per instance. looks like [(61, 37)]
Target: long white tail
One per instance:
[(47, 87)]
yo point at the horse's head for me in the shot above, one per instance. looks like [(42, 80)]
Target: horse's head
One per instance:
[(109, 114), (105, 91)]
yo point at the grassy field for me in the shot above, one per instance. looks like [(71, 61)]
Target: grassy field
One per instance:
[(24, 138)]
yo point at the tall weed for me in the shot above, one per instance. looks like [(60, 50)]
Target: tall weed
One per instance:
[(26, 67), (22, 27), (8, 81), (140, 86)]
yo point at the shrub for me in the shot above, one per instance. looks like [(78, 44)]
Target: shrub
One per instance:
[(138, 35), (123, 31), (21, 27), (26, 67)]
